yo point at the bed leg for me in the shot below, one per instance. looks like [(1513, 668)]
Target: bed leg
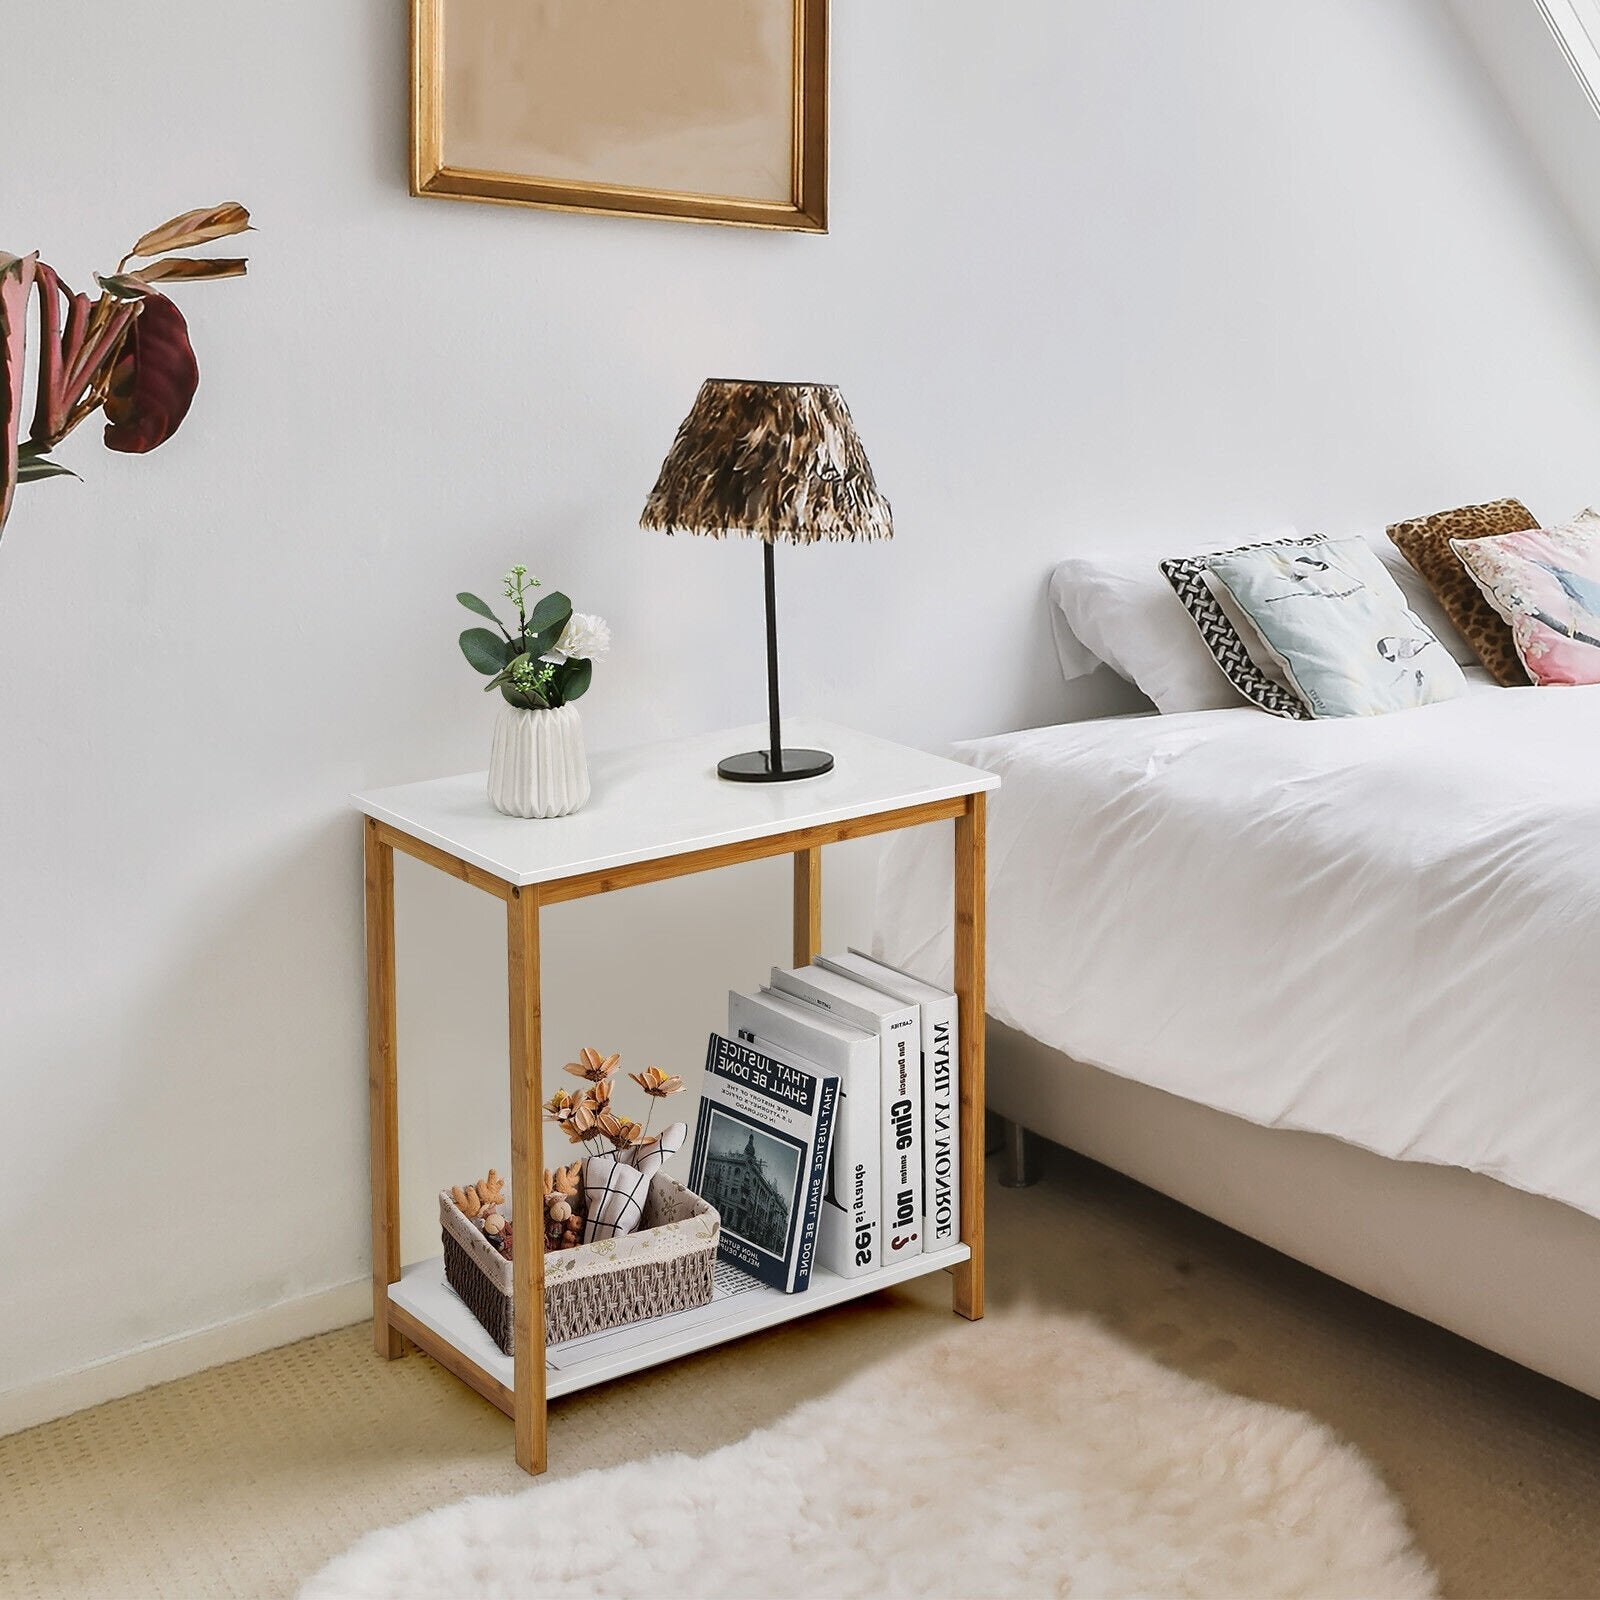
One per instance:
[(1018, 1172)]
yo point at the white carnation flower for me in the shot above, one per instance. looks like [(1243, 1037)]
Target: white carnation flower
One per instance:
[(584, 636)]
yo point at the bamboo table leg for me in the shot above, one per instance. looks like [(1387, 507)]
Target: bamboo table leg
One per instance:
[(971, 882), (382, 1097), (807, 905), (527, 1176)]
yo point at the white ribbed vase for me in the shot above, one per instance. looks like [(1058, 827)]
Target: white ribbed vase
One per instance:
[(537, 767)]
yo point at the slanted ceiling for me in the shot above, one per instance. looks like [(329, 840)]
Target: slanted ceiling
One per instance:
[(1544, 57)]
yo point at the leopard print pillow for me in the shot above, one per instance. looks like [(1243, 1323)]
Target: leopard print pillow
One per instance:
[(1425, 543)]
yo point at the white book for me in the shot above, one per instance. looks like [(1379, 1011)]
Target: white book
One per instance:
[(850, 1234), (941, 1088), (899, 1033)]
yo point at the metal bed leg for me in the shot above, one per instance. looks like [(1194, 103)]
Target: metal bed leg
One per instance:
[(1018, 1171)]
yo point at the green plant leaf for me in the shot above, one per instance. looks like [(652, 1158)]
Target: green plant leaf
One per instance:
[(551, 613), (523, 700), (485, 651), (31, 468), (541, 644), (123, 286), (574, 677), (481, 607), (505, 671)]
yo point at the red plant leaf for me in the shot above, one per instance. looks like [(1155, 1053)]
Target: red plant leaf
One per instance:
[(58, 353), (75, 357), (192, 228), (191, 267), (16, 285), (153, 381)]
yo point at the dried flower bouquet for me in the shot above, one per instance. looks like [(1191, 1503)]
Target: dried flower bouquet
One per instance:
[(587, 1118)]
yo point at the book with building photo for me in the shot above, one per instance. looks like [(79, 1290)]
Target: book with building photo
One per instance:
[(761, 1157), (850, 1233), (941, 1087)]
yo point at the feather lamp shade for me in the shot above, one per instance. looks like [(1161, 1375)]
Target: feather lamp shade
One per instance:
[(774, 461), (778, 462)]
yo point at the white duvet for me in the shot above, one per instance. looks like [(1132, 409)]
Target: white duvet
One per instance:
[(1386, 929)]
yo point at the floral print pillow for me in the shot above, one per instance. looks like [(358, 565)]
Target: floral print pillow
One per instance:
[(1546, 584)]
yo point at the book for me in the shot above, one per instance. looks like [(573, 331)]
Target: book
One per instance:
[(941, 1088), (850, 1232), (761, 1158), (900, 1065)]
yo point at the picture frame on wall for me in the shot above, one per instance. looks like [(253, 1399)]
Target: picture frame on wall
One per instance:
[(688, 110)]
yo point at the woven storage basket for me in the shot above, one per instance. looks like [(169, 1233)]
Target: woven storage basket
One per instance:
[(666, 1265)]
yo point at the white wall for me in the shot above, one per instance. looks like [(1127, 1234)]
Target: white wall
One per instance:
[(1544, 58), (1095, 269)]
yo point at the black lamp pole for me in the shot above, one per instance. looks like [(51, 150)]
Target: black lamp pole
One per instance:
[(774, 764), (774, 734)]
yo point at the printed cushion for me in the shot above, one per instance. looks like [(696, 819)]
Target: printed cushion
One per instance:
[(1426, 543), (1545, 583), (1231, 638), (1340, 626)]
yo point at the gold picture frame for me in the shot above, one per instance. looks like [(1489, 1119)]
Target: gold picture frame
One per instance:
[(457, 153)]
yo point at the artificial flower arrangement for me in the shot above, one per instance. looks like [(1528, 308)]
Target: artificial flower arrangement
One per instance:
[(547, 660), (586, 1117), (538, 766), (126, 351), (615, 1148)]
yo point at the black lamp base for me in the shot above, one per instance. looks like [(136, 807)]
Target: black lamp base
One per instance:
[(755, 766)]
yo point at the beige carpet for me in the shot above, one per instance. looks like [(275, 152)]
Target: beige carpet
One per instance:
[(1029, 1456), (244, 1480)]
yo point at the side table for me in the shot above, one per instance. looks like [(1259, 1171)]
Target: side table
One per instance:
[(657, 811)]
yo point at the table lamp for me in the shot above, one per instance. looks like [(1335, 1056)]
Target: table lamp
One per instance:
[(771, 461)]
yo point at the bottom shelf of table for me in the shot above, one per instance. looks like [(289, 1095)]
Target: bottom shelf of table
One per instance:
[(428, 1312)]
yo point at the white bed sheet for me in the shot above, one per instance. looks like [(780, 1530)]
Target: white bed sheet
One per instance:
[(1386, 929)]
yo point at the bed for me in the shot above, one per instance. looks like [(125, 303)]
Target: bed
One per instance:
[(1335, 983)]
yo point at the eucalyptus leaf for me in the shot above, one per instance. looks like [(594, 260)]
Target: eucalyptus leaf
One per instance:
[(505, 672), (541, 644), (524, 700), (551, 612), (485, 651), (481, 607), (574, 678)]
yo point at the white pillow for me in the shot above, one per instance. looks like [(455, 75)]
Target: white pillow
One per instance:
[(1117, 607)]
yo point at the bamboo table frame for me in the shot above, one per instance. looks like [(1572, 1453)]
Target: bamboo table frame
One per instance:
[(393, 1326)]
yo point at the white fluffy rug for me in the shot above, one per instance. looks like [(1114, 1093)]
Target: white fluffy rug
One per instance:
[(1023, 1455)]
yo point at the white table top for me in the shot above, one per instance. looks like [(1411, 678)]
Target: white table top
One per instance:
[(662, 799)]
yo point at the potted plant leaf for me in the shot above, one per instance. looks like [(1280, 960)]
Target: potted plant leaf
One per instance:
[(126, 351), (537, 763)]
